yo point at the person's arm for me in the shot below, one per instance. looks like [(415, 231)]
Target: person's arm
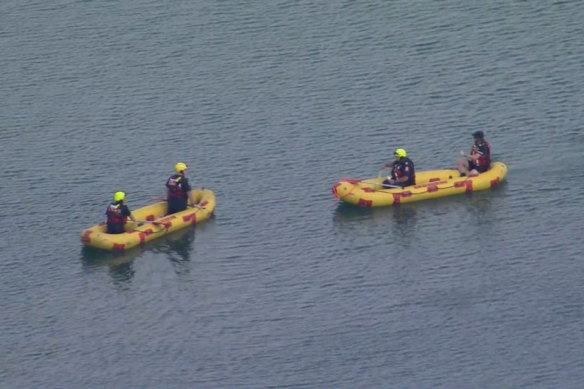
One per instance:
[(473, 157), (126, 212), (191, 198), (187, 187)]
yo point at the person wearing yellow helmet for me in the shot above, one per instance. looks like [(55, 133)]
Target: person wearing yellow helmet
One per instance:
[(117, 214), (403, 172), (178, 190)]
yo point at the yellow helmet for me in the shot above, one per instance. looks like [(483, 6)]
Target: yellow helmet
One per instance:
[(179, 167), (119, 196), (399, 153)]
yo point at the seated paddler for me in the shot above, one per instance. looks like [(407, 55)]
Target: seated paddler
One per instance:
[(403, 172)]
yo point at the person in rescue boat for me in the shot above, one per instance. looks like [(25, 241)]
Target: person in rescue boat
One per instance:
[(117, 214), (403, 172), (479, 159), (179, 190)]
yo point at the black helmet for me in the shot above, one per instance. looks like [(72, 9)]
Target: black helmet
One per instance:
[(478, 134)]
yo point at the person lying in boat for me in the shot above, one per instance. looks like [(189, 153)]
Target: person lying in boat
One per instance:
[(479, 159), (403, 172), (117, 214), (179, 190)]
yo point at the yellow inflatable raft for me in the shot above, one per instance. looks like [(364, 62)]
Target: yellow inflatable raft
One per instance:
[(160, 224), (429, 184)]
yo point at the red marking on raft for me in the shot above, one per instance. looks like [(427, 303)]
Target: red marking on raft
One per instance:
[(192, 217), (368, 190), (396, 198), (204, 203), (434, 179), (432, 188), (365, 203), (468, 186), (150, 218), (335, 193), (85, 238), (495, 182), (118, 246), (166, 224), (406, 193)]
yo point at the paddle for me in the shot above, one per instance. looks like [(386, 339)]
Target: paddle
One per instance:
[(157, 198), (356, 181)]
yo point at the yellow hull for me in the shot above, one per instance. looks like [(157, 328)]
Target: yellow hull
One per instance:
[(161, 225), (429, 184)]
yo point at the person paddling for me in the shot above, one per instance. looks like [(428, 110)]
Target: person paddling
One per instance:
[(403, 172), (117, 214), (179, 190), (479, 159)]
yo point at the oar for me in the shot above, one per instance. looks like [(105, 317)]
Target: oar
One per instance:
[(157, 198), (355, 181)]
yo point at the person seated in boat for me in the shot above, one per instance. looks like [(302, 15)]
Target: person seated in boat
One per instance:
[(479, 159), (403, 172), (117, 214), (179, 191)]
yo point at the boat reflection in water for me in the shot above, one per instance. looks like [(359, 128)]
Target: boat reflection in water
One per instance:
[(177, 247)]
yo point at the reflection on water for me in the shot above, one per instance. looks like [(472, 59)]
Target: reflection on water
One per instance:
[(177, 247), (400, 221)]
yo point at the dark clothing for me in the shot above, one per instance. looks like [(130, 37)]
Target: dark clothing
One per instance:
[(117, 214), (403, 167), (483, 150), (177, 193)]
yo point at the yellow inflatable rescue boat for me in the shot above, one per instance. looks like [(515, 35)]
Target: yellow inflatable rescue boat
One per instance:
[(159, 224), (429, 184)]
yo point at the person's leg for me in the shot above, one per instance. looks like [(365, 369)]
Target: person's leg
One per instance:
[(462, 166), (172, 206), (115, 228)]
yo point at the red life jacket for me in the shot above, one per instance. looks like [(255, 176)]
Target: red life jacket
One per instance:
[(483, 149), (175, 189), (114, 214)]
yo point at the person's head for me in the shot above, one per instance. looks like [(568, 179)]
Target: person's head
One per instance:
[(180, 167), (399, 153), (478, 136), (119, 197)]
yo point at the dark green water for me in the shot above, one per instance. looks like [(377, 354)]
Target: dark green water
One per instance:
[(271, 103)]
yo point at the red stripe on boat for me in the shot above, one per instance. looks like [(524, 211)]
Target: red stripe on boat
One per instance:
[(434, 179), (495, 182), (406, 193), (459, 184), (368, 190), (150, 218), (432, 188), (142, 236), (118, 246), (468, 186), (335, 193), (85, 238), (396, 198), (204, 203), (192, 217), (365, 203)]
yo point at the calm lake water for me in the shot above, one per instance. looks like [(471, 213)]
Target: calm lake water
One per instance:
[(270, 103)]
